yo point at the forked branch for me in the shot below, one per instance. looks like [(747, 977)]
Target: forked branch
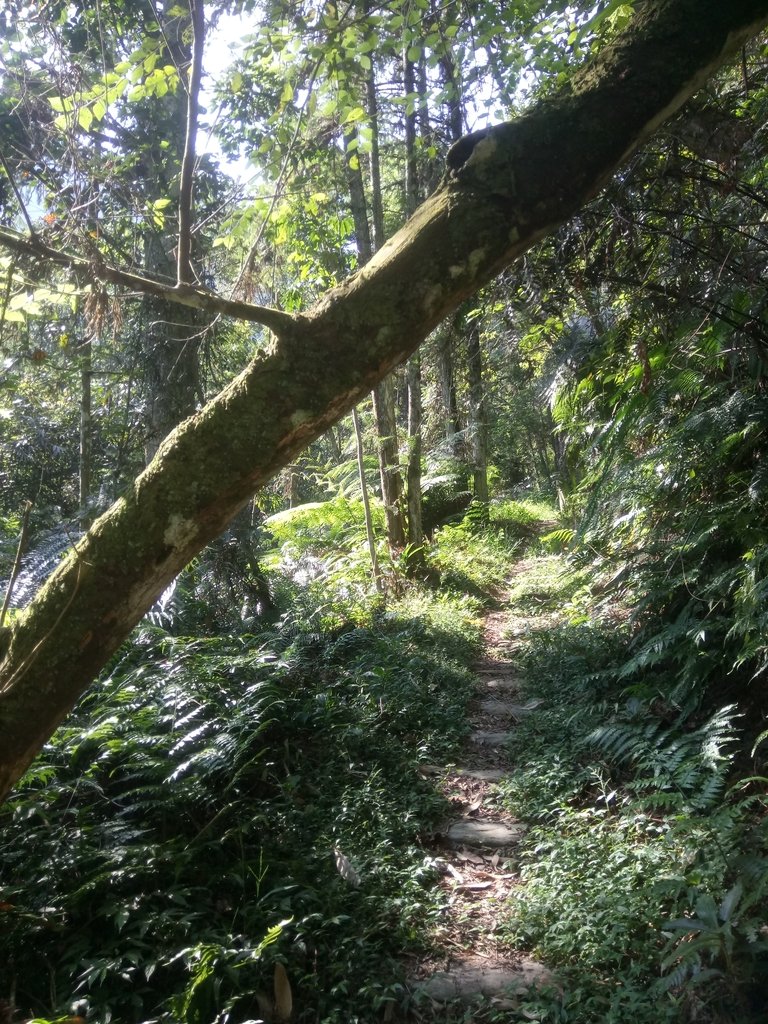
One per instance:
[(182, 294)]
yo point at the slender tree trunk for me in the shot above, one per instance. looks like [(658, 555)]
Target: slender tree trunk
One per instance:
[(478, 425), (453, 102), (334, 443), (376, 571), (383, 394), (86, 431), (448, 403), (171, 340), (413, 469), (415, 520), (451, 76), (389, 461)]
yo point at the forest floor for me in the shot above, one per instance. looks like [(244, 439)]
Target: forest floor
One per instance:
[(476, 849)]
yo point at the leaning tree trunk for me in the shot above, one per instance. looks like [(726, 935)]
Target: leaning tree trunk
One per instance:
[(504, 189)]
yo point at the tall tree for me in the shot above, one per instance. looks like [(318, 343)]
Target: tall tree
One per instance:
[(504, 188)]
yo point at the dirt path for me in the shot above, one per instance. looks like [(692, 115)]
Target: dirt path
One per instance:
[(476, 850)]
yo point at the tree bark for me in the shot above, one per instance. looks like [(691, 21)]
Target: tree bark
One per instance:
[(504, 189), (415, 519), (375, 571), (86, 431), (383, 394), (413, 377), (389, 461), (447, 378), (478, 427)]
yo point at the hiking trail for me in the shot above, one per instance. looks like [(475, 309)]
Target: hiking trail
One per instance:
[(476, 851)]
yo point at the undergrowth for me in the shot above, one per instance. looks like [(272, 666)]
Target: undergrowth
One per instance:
[(228, 818), (646, 866)]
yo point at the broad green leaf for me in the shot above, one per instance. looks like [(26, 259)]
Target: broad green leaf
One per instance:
[(354, 115)]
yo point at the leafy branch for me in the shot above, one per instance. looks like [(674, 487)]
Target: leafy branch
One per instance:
[(182, 294)]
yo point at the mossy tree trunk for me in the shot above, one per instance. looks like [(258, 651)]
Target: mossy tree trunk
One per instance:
[(504, 189)]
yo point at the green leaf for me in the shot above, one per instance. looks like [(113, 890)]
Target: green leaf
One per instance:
[(236, 82), (730, 902), (354, 115)]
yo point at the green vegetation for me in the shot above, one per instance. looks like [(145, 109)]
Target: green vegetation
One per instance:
[(235, 823), (219, 804), (647, 864)]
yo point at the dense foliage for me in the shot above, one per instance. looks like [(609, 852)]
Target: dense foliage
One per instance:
[(234, 813), (220, 804)]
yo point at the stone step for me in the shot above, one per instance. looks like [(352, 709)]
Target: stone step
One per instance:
[(507, 709), (468, 983), (487, 738), (484, 834), (482, 774), (504, 684)]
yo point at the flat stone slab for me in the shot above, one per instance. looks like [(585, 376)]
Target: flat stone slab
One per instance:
[(502, 685), (507, 709), (470, 983), (484, 833), (484, 738), (482, 774)]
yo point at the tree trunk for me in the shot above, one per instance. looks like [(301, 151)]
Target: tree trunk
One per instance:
[(384, 393), (389, 461), (478, 427), (448, 404), (413, 467), (504, 189), (86, 431), (171, 341), (415, 521), (366, 503)]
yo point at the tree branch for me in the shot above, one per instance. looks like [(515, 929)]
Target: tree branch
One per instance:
[(181, 294)]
